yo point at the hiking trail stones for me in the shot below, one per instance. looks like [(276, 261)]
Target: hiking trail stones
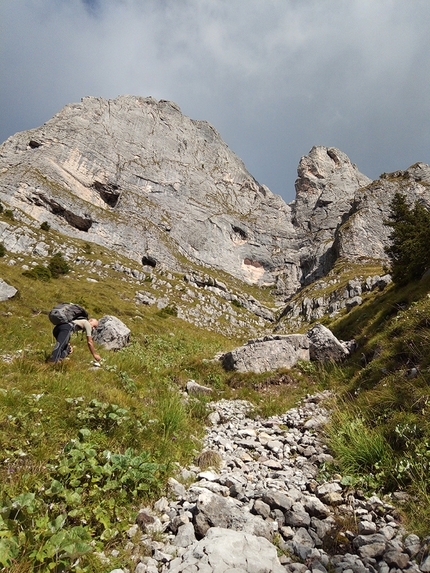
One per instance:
[(266, 499)]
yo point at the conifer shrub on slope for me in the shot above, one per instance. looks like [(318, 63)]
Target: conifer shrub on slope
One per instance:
[(409, 251)]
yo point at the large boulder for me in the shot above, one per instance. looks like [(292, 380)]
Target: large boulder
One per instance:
[(225, 550), (111, 333), (268, 353), (6, 291), (325, 346), (213, 510)]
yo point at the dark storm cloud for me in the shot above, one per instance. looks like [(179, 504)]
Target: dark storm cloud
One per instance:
[(275, 77)]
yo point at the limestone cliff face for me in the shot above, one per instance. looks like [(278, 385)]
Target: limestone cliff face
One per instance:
[(325, 189), (137, 176), (364, 234)]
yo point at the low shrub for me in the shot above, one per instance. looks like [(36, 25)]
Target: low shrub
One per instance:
[(167, 311), (39, 273), (58, 265)]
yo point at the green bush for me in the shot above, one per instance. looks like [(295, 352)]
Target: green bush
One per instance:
[(45, 226), (2, 250), (1, 208), (9, 214), (170, 310), (39, 273), (410, 236), (58, 265)]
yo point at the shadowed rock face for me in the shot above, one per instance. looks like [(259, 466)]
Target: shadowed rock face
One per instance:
[(137, 176)]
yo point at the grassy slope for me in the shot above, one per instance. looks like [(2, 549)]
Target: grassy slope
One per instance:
[(57, 420), (380, 434), (381, 431)]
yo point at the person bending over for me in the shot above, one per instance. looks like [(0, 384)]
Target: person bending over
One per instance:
[(63, 332)]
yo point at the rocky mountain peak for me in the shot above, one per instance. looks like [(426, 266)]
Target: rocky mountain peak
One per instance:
[(327, 182), (135, 175)]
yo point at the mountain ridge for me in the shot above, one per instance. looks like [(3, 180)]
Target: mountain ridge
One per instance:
[(135, 175)]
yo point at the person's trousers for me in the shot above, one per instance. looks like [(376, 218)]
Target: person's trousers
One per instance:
[(62, 334)]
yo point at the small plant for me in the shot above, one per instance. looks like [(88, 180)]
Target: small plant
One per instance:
[(236, 303), (100, 415), (1, 208), (170, 310), (45, 226), (208, 459), (39, 273), (58, 266), (127, 382), (9, 214), (87, 249), (306, 366), (172, 415), (2, 250)]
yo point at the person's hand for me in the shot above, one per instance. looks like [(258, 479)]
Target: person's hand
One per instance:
[(97, 357)]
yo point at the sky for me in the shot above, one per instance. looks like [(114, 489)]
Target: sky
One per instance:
[(274, 77)]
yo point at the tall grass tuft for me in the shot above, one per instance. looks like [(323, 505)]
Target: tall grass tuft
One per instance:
[(360, 451)]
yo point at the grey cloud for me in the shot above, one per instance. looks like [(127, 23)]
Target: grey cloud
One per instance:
[(274, 77)]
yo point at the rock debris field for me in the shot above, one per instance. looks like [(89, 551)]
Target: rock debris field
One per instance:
[(265, 509)]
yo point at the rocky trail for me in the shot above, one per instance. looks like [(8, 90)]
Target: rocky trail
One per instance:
[(266, 507)]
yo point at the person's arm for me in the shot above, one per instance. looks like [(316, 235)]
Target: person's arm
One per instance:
[(92, 349)]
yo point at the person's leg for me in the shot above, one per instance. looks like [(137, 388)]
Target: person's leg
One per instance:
[(62, 334)]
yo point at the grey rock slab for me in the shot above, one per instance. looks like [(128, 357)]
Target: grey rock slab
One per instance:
[(315, 507), (212, 510), (412, 545), (194, 388), (185, 535), (265, 356), (362, 540), (6, 291), (324, 345), (425, 565), (297, 518), (396, 559), (329, 487), (176, 488), (261, 508), (371, 550), (226, 550), (277, 500), (366, 527)]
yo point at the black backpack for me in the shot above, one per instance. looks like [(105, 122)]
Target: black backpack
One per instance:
[(66, 312)]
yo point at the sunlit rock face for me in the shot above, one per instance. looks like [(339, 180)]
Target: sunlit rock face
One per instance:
[(136, 175)]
